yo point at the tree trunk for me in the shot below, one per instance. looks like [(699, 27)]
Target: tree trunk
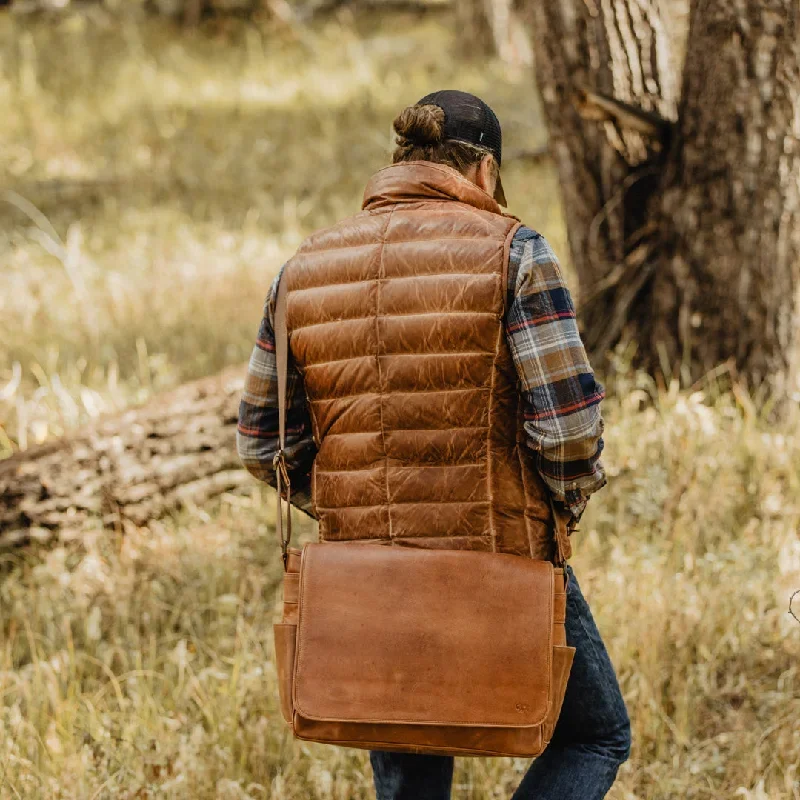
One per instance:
[(588, 51), (179, 448), (493, 26), (683, 213), (727, 287)]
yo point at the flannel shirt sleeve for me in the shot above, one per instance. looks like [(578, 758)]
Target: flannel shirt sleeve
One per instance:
[(257, 431), (562, 416)]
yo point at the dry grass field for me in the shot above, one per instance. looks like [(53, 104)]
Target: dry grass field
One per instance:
[(151, 182)]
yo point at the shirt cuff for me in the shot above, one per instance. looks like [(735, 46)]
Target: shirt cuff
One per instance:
[(577, 508)]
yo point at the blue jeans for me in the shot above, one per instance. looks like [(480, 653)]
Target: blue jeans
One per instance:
[(592, 737)]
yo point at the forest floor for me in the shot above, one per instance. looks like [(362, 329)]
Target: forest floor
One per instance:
[(152, 180)]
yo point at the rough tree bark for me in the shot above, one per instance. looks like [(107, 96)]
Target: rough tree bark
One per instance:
[(180, 448), (728, 283), (492, 26), (683, 207)]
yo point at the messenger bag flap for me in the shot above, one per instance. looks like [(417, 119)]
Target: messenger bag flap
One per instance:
[(420, 636)]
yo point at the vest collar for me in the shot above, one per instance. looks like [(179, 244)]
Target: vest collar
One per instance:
[(412, 181)]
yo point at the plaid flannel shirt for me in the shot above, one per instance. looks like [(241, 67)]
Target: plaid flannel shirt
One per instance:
[(562, 398)]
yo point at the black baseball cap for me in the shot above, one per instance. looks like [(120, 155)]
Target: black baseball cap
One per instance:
[(468, 119)]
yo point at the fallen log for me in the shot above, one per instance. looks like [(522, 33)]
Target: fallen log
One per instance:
[(179, 448)]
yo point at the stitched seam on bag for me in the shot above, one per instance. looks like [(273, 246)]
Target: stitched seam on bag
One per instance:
[(437, 748), (428, 723), (299, 642)]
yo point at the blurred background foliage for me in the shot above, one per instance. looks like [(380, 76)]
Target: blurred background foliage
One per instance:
[(154, 173), (154, 178)]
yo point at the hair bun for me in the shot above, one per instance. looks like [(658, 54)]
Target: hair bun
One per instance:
[(420, 125)]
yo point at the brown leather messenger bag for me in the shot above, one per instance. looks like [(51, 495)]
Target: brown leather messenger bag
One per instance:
[(412, 649)]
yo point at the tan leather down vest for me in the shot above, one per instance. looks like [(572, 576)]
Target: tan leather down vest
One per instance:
[(395, 320)]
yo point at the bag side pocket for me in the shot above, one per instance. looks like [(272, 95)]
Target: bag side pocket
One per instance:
[(562, 664), (285, 640)]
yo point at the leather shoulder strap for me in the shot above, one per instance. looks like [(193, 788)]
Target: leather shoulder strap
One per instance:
[(279, 462), (281, 356)]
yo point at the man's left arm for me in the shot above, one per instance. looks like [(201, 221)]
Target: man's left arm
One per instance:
[(257, 431), (563, 422)]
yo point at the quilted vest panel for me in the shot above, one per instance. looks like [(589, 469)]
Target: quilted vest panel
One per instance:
[(396, 322)]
